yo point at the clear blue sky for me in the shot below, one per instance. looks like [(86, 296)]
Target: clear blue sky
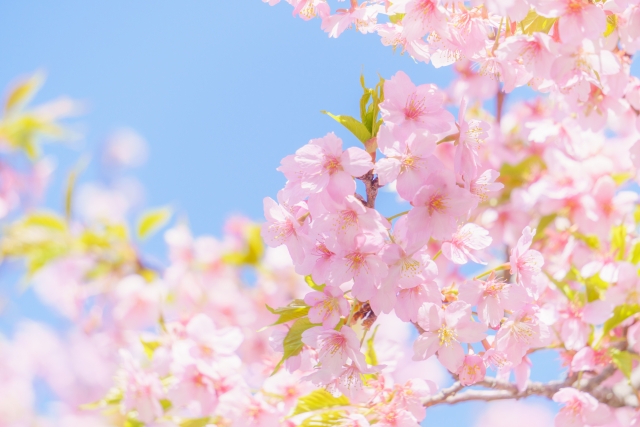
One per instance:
[(221, 90)]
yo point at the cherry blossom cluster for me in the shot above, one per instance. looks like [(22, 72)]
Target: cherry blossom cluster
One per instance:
[(578, 51)]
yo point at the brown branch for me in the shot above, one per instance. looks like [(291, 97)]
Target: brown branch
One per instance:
[(371, 185), (500, 390)]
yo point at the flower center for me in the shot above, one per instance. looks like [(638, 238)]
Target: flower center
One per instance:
[(446, 335), (331, 165), (414, 108), (437, 204)]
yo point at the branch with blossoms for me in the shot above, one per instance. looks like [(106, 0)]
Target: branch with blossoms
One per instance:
[(514, 182)]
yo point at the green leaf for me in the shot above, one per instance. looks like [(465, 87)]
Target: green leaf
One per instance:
[(534, 23), (251, 254), (149, 347), (543, 224), (296, 309), (370, 355), (313, 284), (355, 127), (591, 240), (196, 422), (394, 19), (318, 399), (293, 340), (563, 287), (23, 92), (113, 397), (596, 288), (364, 100), (514, 176), (612, 24), (620, 314), (152, 220), (166, 404), (327, 418), (623, 360), (71, 183), (634, 256), (47, 220), (130, 422), (618, 240)]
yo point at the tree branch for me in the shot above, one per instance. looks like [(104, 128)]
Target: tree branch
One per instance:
[(371, 185)]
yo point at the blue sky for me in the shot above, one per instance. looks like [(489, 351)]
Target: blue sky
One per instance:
[(221, 90)]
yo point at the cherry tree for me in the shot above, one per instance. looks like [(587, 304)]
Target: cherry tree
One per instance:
[(520, 235)]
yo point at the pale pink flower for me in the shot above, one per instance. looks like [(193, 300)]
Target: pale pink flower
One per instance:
[(525, 262), (394, 416), (579, 409), (361, 262), (469, 237), (605, 206), (444, 331), (471, 134), (323, 165), (282, 228), (472, 370), (309, 9), (138, 302), (575, 327), (209, 341), (409, 161), (577, 19), (414, 108), (354, 420), (142, 391), (327, 306), (485, 183), (537, 52), (407, 270), (422, 17), (492, 297), (317, 262), (410, 396), (335, 348), (521, 332), (408, 301), (362, 16), (437, 207), (348, 218)]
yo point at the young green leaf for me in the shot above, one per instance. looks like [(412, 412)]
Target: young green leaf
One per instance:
[(151, 221), (355, 127), (319, 399)]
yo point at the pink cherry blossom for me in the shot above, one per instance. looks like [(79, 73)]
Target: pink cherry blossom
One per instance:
[(327, 306), (282, 228), (579, 409), (360, 261), (521, 332), (438, 206), (410, 161), (444, 331), (471, 134), (525, 262), (335, 348), (414, 108), (469, 237), (492, 297), (322, 164), (472, 370)]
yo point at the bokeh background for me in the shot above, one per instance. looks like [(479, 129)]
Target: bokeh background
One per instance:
[(221, 91)]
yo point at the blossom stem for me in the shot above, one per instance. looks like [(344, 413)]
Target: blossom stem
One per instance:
[(504, 266), (391, 218), (435, 257)]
